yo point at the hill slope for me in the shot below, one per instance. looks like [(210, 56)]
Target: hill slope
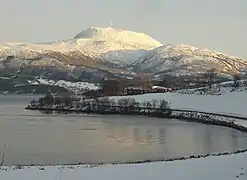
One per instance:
[(106, 44), (186, 59), (117, 51)]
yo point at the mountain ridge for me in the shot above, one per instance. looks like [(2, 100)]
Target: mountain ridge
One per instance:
[(121, 51)]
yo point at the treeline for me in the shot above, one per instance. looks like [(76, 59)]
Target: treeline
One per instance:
[(49, 100), (104, 104), (125, 105)]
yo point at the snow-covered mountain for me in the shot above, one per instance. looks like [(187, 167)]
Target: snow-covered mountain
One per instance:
[(186, 59), (107, 44), (118, 51)]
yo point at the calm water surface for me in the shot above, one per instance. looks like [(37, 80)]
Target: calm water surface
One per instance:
[(36, 138)]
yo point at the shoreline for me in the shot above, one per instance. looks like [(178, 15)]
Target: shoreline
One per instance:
[(182, 115), (222, 164), (175, 159)]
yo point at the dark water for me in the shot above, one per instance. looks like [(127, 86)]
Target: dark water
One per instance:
[(36, 138)]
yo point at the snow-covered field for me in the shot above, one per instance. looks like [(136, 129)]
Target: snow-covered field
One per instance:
[(217, 89), (213, 168), (233, 103), (73, 86)]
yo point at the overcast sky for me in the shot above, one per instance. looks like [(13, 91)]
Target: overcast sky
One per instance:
[(216, 24)]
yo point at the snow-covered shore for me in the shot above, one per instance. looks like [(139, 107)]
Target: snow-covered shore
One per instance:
[(214, 168)]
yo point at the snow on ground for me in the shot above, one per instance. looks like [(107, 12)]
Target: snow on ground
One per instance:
[(213, 168), (217, 89), (74, 86), (241, 122), (233, 103)]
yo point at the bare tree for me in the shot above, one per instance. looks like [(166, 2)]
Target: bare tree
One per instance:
[(120, 102), (132, 102), (144, 103), (113, 102), (210, 75), (105, 101), (163, 104), (94, 103), (137, 105), (154, 103), (236, 79), (125, 102), (3, 155), (149, 104)]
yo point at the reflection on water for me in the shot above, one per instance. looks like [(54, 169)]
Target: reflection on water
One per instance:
[(162, 136), (36, 138)]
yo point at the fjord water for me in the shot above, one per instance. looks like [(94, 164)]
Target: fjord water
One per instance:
[(33, 137)]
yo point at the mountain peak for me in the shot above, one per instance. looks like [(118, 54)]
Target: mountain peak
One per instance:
[(118, 50), (117, 35), (96, 31)]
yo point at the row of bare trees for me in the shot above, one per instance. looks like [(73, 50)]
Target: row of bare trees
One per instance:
[(103, 104), (212, 73), (124, 105), (49, 100)]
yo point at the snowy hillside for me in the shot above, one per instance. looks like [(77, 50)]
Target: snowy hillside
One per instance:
[(129, 38), (118, 51), (92, 42), (186, 59), (217, 89), (76, 87)]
